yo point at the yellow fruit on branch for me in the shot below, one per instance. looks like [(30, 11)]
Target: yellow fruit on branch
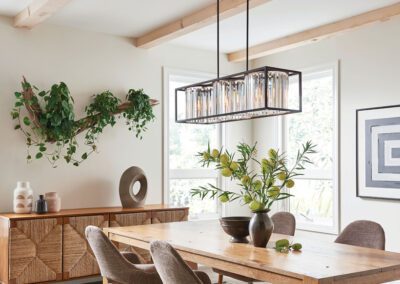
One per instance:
[(274, 192), (256, 206), (215, 153), (226, 172), (272, 153), (224, 159), (224, 198), (245, 180), (234, 166), (290, 183), (281, 176)]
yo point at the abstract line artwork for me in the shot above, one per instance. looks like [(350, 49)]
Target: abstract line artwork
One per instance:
[(378, 152)]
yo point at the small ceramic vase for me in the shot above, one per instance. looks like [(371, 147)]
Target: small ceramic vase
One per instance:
[(41, 205), (53, 202), (23, 198)]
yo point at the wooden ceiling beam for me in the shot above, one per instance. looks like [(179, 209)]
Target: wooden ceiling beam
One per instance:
[(194, 21), (37, 12), (316, 34)]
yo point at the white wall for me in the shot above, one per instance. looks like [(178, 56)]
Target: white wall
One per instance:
[(369, 77), (88, 63), (236, 132)]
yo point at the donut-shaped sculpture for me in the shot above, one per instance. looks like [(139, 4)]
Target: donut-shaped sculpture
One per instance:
[(128, 179)]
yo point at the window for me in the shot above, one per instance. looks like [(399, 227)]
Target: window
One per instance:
[(315, 203), (181, 143)]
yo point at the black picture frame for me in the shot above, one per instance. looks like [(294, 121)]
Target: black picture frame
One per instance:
[(358, 185)]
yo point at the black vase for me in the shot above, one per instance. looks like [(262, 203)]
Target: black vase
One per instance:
[(41, 205), (260, 228)]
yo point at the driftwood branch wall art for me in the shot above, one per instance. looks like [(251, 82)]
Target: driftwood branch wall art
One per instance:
[(50, 127)]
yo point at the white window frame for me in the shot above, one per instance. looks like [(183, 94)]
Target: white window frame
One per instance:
[(315, 174), (168, 174)]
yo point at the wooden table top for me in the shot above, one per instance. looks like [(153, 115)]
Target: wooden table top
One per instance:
[(317, 260)]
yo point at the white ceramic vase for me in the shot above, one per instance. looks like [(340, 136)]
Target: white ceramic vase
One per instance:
[(53, 202), (23, 198)]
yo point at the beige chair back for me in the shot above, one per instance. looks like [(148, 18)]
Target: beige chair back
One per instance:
[(363, 233), (172, 268), (284, 223)]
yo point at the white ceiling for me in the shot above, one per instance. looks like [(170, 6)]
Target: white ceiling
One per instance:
[(276, 19), (133, 18)]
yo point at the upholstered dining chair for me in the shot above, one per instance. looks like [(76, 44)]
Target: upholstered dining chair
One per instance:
[(284, 223), (116, 267), (363, 233), (172, 268)]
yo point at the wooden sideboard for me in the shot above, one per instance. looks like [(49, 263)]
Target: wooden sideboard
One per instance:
[(52, 247)]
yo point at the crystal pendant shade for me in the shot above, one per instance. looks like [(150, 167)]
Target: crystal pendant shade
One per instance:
[(260, 92)]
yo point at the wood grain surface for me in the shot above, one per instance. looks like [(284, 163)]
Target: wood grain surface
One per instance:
[(319, 262)]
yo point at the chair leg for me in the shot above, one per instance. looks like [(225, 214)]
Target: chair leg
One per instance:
[(220, 278), (105, 280)]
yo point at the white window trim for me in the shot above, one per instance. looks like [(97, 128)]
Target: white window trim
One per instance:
[(176, 173), (281, 125)]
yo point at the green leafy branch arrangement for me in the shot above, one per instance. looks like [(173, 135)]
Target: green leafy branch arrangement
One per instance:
[(50, 128), (259, 188), (285, 246)]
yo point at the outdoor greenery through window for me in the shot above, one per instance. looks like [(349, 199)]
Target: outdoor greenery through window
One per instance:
[(185, 172), (315, 193)]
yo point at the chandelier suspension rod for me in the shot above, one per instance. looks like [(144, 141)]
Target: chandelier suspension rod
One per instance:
[(217, 39), (247, 35)]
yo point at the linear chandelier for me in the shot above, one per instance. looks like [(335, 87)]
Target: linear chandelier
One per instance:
[(260, 92)]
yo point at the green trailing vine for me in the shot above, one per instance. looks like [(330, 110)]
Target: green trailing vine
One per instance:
[(50, 128)]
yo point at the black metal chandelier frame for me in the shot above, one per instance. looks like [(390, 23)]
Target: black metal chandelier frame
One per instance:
[(265, 111)]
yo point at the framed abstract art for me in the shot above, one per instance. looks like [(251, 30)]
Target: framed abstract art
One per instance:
[(378, 152)]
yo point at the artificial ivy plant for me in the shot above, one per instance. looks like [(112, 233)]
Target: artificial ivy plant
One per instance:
[(51, 129)]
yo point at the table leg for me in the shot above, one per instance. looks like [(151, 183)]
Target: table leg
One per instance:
[(220, 278)]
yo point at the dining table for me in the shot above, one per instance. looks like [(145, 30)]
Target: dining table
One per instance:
[(319, 261)]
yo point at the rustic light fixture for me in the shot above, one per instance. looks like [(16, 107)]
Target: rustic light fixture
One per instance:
[(260, 92)]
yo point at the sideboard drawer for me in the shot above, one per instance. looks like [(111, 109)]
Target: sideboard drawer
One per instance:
[(35, 253), (167, 216), (78, 257), (130, 219)]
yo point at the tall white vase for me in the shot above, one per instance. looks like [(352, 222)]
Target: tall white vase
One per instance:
[(23, 198)]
